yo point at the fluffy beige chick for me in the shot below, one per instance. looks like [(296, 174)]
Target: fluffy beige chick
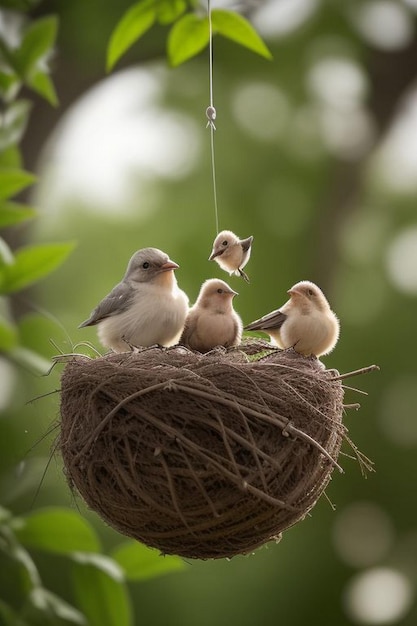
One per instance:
[(231, 253), (305, 322), (212, 321)]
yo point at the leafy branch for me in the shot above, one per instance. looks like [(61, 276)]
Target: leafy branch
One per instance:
[(98, 581), (189, 33), (99, 594)]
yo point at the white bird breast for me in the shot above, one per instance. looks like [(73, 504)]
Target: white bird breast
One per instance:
[(311, 334), (152, 318)]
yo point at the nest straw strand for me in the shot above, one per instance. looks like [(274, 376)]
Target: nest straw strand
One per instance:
[(203, 456)]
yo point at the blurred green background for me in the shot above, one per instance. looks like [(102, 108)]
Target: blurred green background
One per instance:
[(316, 157)]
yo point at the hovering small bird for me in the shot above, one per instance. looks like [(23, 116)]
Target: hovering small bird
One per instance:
[(212, 321), (305, 322), (231, 253), (146, 308)]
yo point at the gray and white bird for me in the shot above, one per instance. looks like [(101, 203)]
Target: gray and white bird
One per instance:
[(305, 322), (212, 321), (231, 253), (146, 308)]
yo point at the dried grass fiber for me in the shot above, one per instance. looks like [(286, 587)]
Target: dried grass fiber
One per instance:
[(204, 456)]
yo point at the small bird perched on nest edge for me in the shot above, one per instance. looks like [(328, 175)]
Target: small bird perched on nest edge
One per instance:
[(146, 308), (212, 321), (305, 322), (231, 253)]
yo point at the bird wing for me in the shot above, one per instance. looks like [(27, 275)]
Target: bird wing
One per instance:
[(227, 344), (190, 327), (275, 319), (118, 301), (246, 243)]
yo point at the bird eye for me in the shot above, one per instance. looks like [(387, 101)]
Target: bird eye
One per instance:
[(145, 265), (220, 290), (310, 292), (225, 242)]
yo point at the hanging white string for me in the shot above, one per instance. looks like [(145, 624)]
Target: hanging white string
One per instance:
[(211, 116), (211, 111)]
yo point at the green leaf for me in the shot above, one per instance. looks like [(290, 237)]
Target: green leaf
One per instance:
[(141, 563), (51, 609), (168, 11), (32, 263), (24, 569), (9, 84), (19, 5), (8, 617), (21, 480), (8, 336), (6, 51), (40, 331), (134, 23), (13, 180), (101, 562), (6, 258), (37, 42), (13, 123), (12, 213), (29, 360), (187, 38), (238, 29), (100, 591), (30, 59), (11, 158), (57, 530), (43, 85), (15, 579), (5, 515)]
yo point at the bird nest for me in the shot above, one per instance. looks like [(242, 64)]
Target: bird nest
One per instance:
[(203, 456)]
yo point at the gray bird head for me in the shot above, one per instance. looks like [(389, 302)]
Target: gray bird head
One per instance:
[(147, 263)]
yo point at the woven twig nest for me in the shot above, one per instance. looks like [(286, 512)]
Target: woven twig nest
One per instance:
[(204, 456)]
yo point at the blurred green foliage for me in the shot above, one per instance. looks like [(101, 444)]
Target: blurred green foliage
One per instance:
[(188, 36), (98, 593)]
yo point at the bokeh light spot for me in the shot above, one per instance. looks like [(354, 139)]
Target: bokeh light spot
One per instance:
[(363, 235), (7, 383), (378, 596), (401, 261), (384, 23), (275, 19), (261, 110), (338, 87), (347, 136), (395, 163), (337, 82), (397, 414), (362, 534), (114, 140)]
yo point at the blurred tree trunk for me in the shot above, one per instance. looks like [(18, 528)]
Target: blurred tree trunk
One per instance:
[(391, 75)]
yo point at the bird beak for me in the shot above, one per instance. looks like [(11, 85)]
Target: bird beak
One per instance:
[(294, 292), (235, 293), (215, 253), (169, 265)]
